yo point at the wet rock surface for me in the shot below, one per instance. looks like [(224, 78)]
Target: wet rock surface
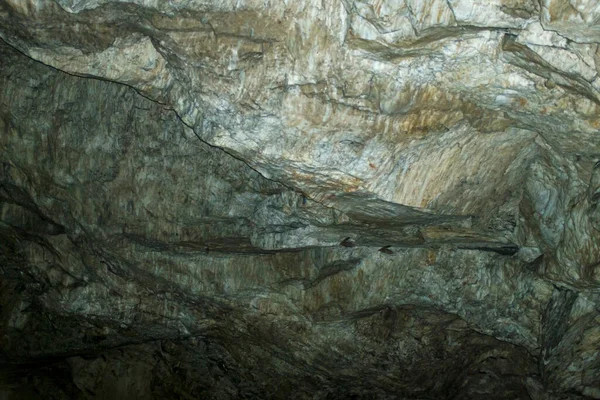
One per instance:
[(328, 200)]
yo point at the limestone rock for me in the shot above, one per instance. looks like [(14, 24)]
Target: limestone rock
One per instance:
[(261, 199)]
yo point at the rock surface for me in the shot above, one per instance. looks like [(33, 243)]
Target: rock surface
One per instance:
[(313, 200)]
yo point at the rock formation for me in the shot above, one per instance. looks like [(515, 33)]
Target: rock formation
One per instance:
[(385, 199)]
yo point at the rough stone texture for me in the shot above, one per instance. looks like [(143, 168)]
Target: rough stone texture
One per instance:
[(341, 199)]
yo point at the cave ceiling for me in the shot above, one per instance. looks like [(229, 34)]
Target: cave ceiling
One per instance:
[(311, 199)]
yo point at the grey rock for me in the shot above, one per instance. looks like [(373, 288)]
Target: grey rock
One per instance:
[(305, 200)]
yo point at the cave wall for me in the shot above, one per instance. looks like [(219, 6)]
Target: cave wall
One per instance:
[(176, 184)]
